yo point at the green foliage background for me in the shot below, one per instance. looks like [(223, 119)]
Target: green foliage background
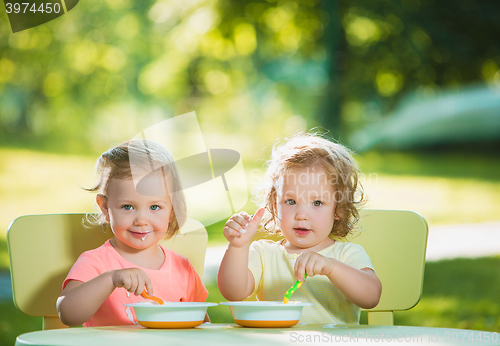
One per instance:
[(110, 67), (253, 70)]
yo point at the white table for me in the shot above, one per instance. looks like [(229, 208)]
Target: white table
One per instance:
[(232, 334)]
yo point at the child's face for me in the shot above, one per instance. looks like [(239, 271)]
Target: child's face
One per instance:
[(306, 209), (138, 221)]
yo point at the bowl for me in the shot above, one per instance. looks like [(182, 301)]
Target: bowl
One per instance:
[(170, 315), (266, 314)]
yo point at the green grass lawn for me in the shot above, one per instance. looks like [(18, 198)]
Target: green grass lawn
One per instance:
[(458, 293), (13, 323)]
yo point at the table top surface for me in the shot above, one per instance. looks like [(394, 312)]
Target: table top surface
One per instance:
[(219, 333)]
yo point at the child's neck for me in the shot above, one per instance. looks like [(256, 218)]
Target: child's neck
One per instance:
[(149, 258), (290, 248)]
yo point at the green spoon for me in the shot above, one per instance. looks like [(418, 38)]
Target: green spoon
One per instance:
[(292, 289)]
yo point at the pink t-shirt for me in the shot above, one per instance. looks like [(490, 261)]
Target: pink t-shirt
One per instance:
[(175, 281)]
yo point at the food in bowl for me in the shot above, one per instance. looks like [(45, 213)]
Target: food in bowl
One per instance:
[(266, 314), (170, 315)]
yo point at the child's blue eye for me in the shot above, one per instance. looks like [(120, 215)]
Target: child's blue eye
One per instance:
[(317, 203), (290, 202), (155, 207), (127, 207)]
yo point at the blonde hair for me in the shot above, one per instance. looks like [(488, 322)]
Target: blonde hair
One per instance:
[(140, 157), (310, 150)]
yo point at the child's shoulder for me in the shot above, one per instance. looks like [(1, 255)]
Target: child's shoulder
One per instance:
[(266, 245), (104, 250), (173, 257), (343, 247)]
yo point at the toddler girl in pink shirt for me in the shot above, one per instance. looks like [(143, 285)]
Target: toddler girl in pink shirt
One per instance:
[(138, 191)]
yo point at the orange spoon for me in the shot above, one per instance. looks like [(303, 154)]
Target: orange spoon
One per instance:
[(156, 299)]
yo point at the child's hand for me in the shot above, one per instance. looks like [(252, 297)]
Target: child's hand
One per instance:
[(240, 228), (133, 280), (312, 263)]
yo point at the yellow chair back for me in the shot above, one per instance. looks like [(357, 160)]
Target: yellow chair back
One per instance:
[(43, 248), (395, 241)]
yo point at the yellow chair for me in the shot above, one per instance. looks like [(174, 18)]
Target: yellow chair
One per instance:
[(395, 241), (43, 248)]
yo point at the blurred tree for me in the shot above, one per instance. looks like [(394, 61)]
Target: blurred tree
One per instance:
[(110, 66), (413, 45), (332, 41)]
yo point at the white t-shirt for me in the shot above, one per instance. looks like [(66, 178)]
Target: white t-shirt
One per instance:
[(272, 269)]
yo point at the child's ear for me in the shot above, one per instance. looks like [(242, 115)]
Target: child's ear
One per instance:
[(102, 202)]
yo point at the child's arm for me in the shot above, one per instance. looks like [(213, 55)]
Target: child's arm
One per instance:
[(235, 280), (361, 286), (79, 301)]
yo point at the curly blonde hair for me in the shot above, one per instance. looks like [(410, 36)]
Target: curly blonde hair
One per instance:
[(310, 150), (138, 158)]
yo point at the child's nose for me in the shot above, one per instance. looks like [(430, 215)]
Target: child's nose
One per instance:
[(140, 219), (301, 214)]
